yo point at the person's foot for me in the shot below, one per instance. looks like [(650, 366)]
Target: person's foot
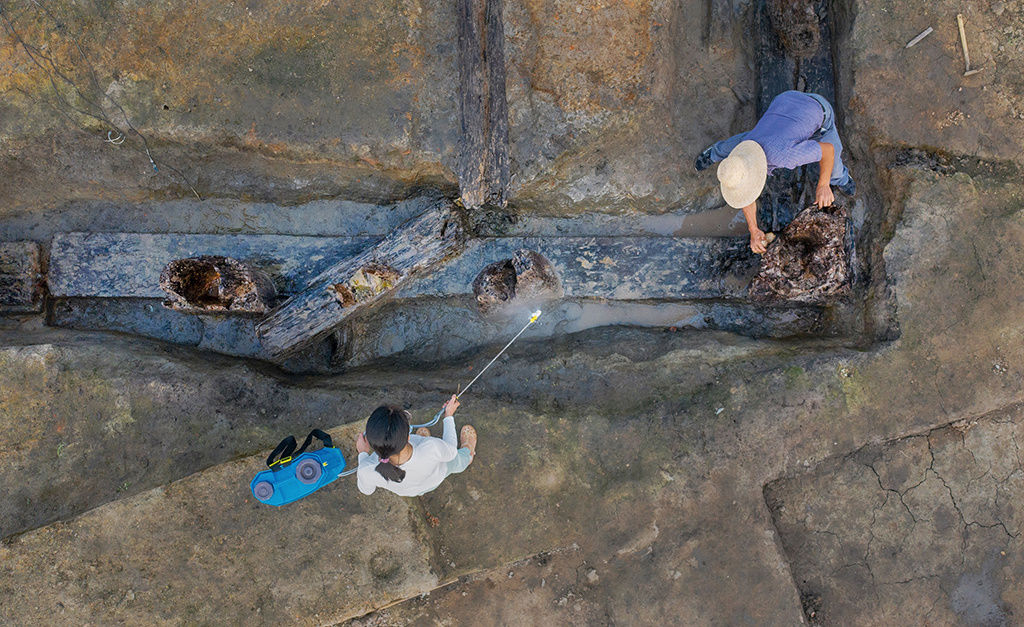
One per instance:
[(468, 437), (423, 431), (849, 188), (703, 161)]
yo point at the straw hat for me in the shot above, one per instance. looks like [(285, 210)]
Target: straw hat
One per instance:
[(743, 173)]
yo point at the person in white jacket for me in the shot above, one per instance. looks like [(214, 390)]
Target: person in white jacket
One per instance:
[(410, 464)]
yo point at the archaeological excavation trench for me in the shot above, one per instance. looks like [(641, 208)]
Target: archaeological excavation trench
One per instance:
[(402, 286), (222, 224)]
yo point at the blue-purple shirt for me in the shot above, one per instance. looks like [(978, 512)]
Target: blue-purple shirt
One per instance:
[(785, 130)]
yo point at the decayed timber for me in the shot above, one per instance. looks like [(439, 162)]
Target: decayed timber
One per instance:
[(808, 262), (21, 277), (612, 268), (215, 283), (527, 276), (497, 105), (342, 289), (472, 86), (483, 154)]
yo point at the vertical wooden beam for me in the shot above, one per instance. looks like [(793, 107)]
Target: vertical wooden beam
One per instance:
[(483, 154), (472, 85), (497, 105)]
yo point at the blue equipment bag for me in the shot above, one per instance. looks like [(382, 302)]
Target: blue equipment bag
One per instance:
[(293, 475)]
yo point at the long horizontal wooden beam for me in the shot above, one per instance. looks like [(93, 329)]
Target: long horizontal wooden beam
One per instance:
[(128, 265)]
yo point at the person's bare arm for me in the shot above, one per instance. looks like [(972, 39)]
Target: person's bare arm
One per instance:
[(451, 406), (823, 195), (758, 241)]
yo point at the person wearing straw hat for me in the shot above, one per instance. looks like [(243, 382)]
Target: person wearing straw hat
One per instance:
[(798, 128)]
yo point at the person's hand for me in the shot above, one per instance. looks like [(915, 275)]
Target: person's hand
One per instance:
[(758, 241), (362, 446), (451, 406), (824, 196)]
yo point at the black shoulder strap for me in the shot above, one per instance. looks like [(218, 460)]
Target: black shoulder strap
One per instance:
[(283, 452), (318, 434)]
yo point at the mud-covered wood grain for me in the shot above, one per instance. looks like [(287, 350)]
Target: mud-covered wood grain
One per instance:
[(473, 141), (497, 105), (483, 155), (128, 265), (21, 277), (417, 245), (613, 268)]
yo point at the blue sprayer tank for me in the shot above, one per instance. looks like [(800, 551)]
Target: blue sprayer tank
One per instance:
[(291, 475)]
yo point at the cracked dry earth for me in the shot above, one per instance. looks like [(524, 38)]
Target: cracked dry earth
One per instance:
[(943, 544)]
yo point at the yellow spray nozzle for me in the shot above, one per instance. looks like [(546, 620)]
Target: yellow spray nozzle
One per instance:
[(535, 315)]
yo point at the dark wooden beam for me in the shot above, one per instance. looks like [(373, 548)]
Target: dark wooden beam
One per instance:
[(497, 105), (21, 277), (484, 152)]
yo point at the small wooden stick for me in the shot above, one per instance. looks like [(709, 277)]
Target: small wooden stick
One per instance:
[(963, 42), (915, 40)]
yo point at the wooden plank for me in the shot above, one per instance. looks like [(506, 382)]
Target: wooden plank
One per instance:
[(472, 105), (128, 265), (497, 106), (419, 244), (483, 151), (21, 278), (613, 268)]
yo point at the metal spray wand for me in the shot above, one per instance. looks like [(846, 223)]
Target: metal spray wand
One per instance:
[(437, 417), (533, 318)]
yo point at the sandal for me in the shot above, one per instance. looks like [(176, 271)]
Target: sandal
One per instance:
[(468, 437)]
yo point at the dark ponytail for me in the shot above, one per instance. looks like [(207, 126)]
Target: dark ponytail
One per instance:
[(387, 431)]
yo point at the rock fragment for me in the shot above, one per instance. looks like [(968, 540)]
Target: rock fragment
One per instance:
[(213, 283), (808, 262)]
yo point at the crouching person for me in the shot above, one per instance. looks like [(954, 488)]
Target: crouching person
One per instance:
[(410, 464), (798, 128)]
